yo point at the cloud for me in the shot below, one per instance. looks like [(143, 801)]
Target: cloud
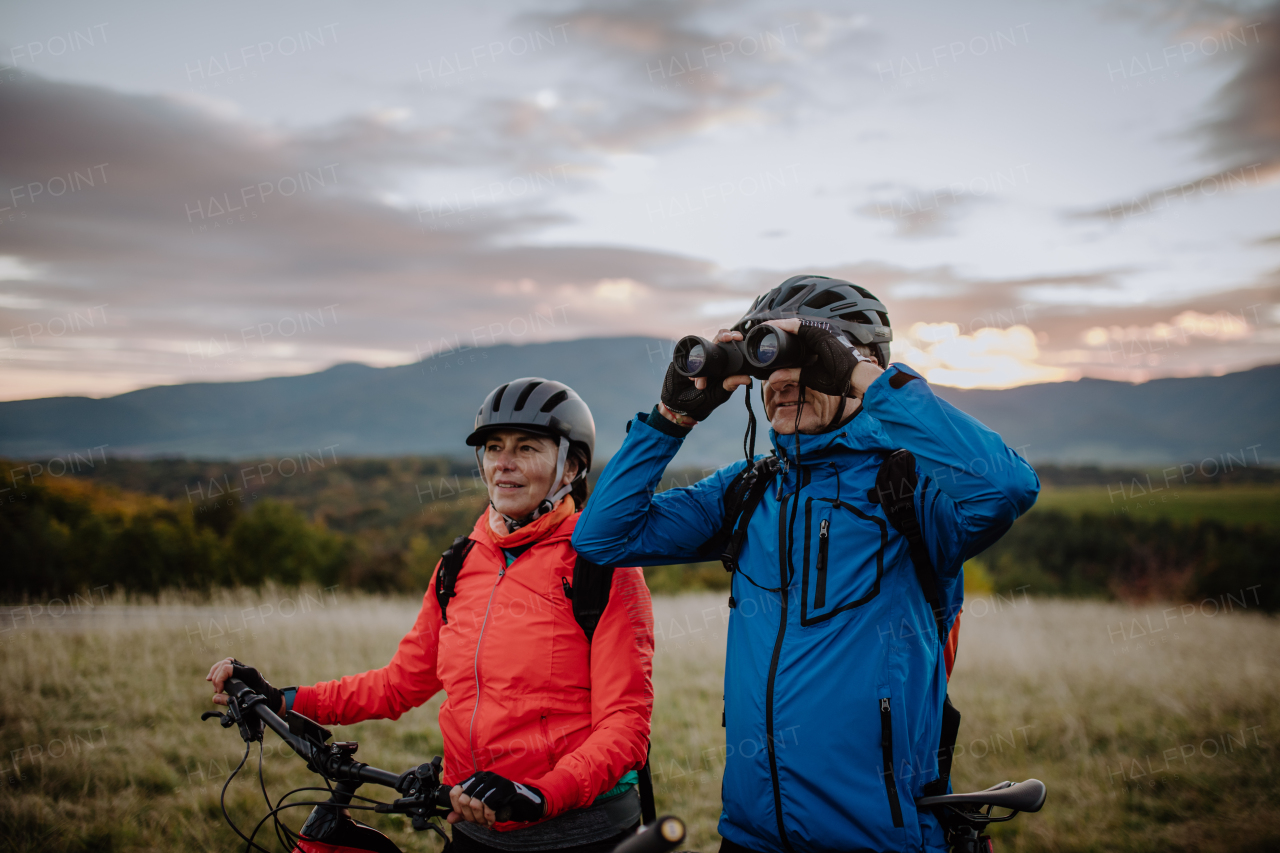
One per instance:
[(1246, 130), (919, 215), (210, 240), (989, 358), (658, 71), (1222, 331), (1223, 326), (1242, 133)]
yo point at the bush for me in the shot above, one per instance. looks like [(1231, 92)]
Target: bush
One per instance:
[(1135, 560)]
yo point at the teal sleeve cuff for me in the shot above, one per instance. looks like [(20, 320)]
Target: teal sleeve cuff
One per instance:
[(289, 694), (662, 425)]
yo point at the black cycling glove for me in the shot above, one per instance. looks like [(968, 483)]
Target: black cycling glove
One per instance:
[(681, 396), (509, 800), (831, 360), (255, 682)]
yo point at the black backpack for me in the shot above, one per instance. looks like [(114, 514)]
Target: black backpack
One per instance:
[(589, 593), (894, 490)]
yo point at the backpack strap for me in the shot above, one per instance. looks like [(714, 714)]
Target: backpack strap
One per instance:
[(741, 498), (946, 749), (590, 597), (589, 593), (447, 575), (895, 491), (648, 807)]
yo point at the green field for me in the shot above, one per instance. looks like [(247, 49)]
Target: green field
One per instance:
[(1236, 504), (1151, 734)]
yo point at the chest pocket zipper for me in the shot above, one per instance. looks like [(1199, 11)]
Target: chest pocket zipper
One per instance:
[(820, 582), (886, 748)]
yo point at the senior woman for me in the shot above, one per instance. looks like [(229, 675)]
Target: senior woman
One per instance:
[(541, 720)]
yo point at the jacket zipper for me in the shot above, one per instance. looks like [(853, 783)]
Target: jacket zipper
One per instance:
[(471, 729), (886, 749), (820, 585), (773, 664)]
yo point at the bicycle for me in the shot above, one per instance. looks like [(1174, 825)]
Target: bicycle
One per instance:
[(329, 829)]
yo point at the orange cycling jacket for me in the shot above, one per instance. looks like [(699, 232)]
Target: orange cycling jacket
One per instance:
[(527, 696)]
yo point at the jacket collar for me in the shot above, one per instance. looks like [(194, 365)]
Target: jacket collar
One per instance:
[(861, 434), (481, 532)]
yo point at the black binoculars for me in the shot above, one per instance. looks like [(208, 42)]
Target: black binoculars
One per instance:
[(763, 350)]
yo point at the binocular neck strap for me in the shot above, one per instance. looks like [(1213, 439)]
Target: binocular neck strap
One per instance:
[(838, 414)]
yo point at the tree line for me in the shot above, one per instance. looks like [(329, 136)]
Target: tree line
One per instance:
[(380, 525)]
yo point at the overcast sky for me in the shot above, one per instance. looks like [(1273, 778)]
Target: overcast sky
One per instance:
[(1038, 191)]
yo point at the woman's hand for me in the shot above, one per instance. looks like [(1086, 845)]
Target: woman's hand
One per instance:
[(232, 668), (486, 798), (468, 809)]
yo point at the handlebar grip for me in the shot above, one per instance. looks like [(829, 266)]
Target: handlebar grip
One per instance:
[(664, 834), (441, 797)]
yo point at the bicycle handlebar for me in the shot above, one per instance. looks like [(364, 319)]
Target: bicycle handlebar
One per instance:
[(423, 794), (334, 762)]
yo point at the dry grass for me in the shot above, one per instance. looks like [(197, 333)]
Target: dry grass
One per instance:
[(1064, 691)]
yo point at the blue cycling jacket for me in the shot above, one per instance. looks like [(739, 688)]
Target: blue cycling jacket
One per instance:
[(834, 670)]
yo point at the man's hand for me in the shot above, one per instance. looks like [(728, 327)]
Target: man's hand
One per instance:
[(692, 398), (232, 668), (835, 367), (487, 798)]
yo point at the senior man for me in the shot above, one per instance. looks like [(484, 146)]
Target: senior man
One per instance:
[(847, 547)]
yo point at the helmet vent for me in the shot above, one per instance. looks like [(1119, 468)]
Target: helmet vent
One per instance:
[(554, 400), (825, 298), (524, 395), (784, 298), (497, 398)]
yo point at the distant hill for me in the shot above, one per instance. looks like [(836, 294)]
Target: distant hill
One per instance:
[(427, 408)]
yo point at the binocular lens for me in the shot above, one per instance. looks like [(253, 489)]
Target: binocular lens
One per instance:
[(766, 349), (695, 356), (695, 359)]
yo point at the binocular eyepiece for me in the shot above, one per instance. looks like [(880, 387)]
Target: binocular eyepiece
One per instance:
[(764, 350)]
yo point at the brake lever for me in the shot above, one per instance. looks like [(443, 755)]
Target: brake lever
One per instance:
[(421, 787), (224, 719)]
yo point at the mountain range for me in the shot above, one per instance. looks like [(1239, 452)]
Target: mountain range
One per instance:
[(429, 406)]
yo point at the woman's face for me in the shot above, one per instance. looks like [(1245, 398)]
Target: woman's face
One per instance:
[(518, 469)]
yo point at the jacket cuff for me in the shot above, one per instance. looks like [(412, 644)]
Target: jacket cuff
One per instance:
[(661, 424), (561, 788), (305, 702)]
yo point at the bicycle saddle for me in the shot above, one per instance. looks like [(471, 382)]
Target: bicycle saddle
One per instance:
[(1025, 796)]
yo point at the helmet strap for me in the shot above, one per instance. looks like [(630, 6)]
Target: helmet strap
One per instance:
[(554, 494)]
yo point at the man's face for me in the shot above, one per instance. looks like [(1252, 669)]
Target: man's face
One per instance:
[(782, 396)]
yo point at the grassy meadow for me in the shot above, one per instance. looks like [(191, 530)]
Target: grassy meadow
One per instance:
[(1240, 504), (1154, 728)]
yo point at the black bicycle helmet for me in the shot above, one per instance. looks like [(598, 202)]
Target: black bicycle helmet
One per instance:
[(852, 309), (539, 406)]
